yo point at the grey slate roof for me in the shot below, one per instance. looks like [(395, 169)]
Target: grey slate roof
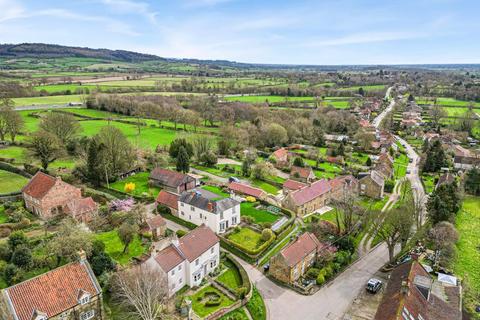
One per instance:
[(197, 200)]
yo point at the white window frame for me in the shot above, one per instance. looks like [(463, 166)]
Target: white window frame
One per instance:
[(87, 315), (84, 300)]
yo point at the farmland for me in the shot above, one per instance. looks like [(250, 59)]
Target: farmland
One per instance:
[(11, 182)]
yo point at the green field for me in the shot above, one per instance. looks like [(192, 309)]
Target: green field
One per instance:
[(447, 102), (13, 152), (11, 182), (468, 258), (47, 100), (269, 99), (366, 87)]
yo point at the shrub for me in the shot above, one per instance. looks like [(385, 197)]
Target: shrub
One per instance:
[(327, 272), (241, 292), (12, 274), (22, 257), (343, 258), (266, 225), (247, 219), (320, 279), (389, 185), (17, 239), (251, 199), (5, 252), (180, 233), (129, 187), (267, 234), (346, 244), (312, 273)]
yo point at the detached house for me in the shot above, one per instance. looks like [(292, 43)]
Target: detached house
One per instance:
[(372, 184), (244, 189), (186, 261), (341, 186), (413, 294), (384, 165), (281, 158), (293, 261), (172, 181), (47, 196), (70, 292), (308, 199), (302, 174), (218, 215)]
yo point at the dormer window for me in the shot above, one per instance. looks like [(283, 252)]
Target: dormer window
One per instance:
[(83, 297), (38, 315)]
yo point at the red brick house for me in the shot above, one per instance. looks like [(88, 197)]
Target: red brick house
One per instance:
[(292, 185), (169, 200), (341, 186), (302, 174), (70, 292), (172, 181), (281, 158), (412, 293), (48, 196)]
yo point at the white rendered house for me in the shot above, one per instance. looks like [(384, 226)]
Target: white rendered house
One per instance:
[(218, 215), (189, 259)]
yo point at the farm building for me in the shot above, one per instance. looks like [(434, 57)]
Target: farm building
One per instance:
[(172, 181)]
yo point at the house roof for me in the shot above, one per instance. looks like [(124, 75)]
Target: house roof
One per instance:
[(338, 182), (411, 287), (376, 176), (197, 241), (80, 206), (53, 292), (170, 178), (445, 178), (300, 248), (169, 199), (280, 153), (293, 185), (196, 199), (156, 222), (385, 158), (246, 189), (39, 185), (169, 258), (311, 192), (302, 172)]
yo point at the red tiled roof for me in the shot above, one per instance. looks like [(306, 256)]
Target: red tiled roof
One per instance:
[(246, 189), (156, 222), (168, 199), (311, 192), (169, 258), (302, 172), (340, 181), (302, 247), (293, 185), (280, 153), (39, 185), (80, 206), (385, 157), (197, 241), (53, 292), (170, 178)]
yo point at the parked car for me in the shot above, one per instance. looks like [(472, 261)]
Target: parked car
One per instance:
[(408, 171), (374, 285), (233, 179)]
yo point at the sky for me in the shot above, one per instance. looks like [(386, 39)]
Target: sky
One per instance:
[(321, 32)]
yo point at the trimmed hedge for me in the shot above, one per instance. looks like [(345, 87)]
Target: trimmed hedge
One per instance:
[(243, 274), (176, 219), (255, 252), (8, 167)]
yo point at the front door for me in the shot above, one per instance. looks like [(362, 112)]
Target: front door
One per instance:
[(226, 224)]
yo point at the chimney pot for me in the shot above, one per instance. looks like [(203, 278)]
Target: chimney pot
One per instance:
[(210, 206)]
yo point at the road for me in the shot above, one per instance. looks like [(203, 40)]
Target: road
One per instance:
[(46, 106), (330, 302), (376, 122)]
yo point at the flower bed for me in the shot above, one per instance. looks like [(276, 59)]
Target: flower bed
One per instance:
[(208, 300)]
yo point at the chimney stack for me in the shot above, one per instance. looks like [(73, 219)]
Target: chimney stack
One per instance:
[(82, 255), (405, 289), (210, 206)]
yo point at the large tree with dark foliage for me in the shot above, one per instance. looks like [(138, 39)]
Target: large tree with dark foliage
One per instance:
[(435, 157), (443, 203), (472, 181)]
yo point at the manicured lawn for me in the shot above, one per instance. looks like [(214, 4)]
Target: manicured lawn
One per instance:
[(62, 163), (141, 185), (400, 166), (114, 247), (231, 278), (265, 186), (429, 182), (216, 190), (373, 204), (247, 238), (248, 209), (468, 258), (198, 301), (256, 306), (447, 102), (237, 314), (11, 182)]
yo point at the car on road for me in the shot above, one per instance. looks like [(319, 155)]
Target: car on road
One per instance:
[(408, 171), (374, 285), (233, 179)]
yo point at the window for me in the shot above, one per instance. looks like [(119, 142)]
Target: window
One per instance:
[(196, 277), (181, 204), (234, 220), (211, 250), (213, 263), (173, 272), (221, 215), (183, 213), (179, 267), (192, 208), (200, 216), (222, 226), (233, 210), (84, 299), (180, 281), (87, 315), (197, 262)]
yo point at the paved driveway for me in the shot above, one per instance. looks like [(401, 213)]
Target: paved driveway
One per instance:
[(331, 302)]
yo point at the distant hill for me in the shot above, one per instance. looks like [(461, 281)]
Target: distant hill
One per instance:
[(41, 50)]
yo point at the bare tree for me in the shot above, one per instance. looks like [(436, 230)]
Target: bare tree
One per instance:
[(437, 113), (142, 291), (46, 147), (347, 212), (64, 126)]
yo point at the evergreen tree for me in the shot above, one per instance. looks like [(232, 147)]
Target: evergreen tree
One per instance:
[(435, 157), (183, 160), (177, 144), (472, 181), (443, 203), (95, 172), (298, 162), (368, 163)]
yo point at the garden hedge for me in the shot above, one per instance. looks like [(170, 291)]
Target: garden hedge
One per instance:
[(8, 167), (176, 219), (255, 252), (243, 274)]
